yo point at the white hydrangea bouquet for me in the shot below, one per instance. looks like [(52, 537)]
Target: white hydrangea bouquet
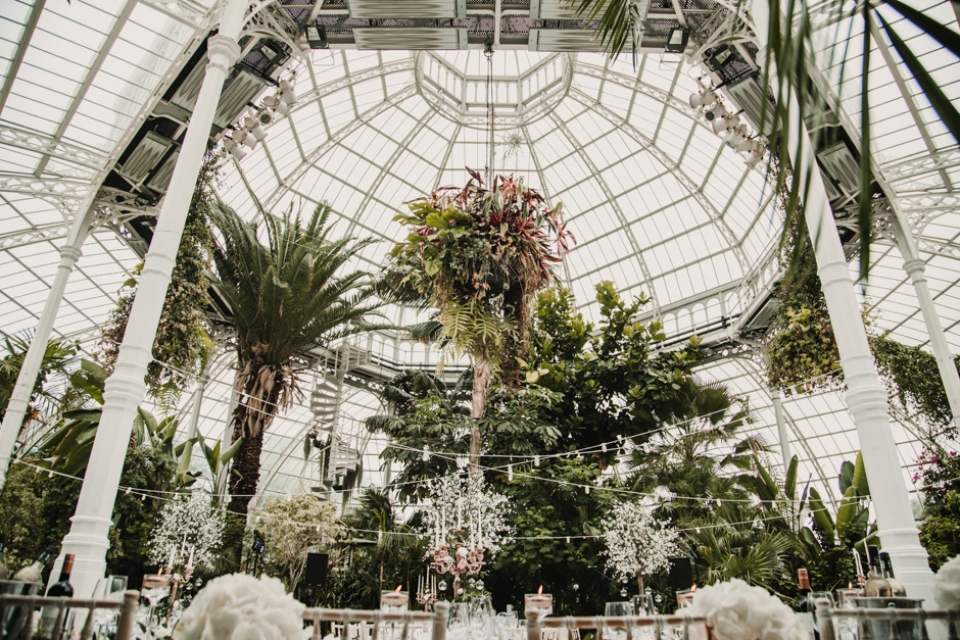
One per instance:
[(946, 585), (241, 607), (735, 610)]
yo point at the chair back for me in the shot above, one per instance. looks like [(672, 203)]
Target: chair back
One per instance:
[(17, 612), (884, 623), (374, 621), (663, 626)]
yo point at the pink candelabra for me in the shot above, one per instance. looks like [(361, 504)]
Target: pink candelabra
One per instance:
[(463, 562)]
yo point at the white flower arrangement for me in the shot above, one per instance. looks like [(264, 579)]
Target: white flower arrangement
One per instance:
[(241, 607), (463, 509), (946, 585), (637, 544), (735, 610), (188, 532)]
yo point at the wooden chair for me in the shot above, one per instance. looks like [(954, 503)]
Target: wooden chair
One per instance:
[(20, 627), (689, 626), (375, 620), (893, 622)]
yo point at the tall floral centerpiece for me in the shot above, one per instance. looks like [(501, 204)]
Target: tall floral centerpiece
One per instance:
[(466, 523), (188, 534), (637, 544), (478, 255)]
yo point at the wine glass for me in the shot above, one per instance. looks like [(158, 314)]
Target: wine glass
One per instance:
[(109, 588), (481, 617), (617, 610), (458, 624)]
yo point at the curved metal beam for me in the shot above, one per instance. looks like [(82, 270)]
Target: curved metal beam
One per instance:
[(588, 161), (675, 170), (285, 185)]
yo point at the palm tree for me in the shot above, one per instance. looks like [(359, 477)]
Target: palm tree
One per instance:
[(57, 355), (286, 298)]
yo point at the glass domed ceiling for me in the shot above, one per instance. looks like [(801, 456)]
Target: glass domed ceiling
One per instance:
[(658, 203)]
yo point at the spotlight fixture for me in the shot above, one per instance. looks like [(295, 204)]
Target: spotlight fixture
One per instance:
[(287, 94), (234, 149), (265, 117), (705, 98), (726, 123), (710, 115), (252, 125), (278, 105), (244, 137), (677, 41), (317, 36), (736, 135)]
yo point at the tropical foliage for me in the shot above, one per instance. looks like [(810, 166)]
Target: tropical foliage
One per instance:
[(44, 400), (67, 448), (939, 476), (293, 527), (287, 295), (182, 345), (478, 256)]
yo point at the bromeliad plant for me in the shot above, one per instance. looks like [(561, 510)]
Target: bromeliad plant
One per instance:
[(478, 256)]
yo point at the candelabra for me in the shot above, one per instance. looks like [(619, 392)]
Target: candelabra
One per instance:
[(463, 562), (426, 599)]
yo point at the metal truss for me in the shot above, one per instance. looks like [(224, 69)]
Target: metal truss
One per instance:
[(85, 162), (921, 209), (67, 195), (672, 167), (919, 166), (270, 202)]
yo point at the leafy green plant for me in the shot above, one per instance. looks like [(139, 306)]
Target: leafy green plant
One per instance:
[(44, 399), (182, 345), (293, 527), (287, 296), (67, 448), (478, 255)]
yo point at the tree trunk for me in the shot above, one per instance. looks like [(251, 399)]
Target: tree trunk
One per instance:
[(482, 378), (640, 584), (515, 344), (261, 386)]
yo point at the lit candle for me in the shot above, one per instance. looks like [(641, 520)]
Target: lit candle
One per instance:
[(540, 602), (394, 598), (856, 560), (173, 552), (190, 561)]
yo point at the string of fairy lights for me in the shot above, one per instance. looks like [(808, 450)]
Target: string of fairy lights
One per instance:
[(518, 466)]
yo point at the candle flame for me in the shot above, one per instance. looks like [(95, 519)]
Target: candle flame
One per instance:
[(540, 591), (693, 588), (397, 590)]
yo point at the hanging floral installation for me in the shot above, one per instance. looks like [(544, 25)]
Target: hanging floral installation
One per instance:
[(478, 255), (466, 523), (188, 534), (637, 543)]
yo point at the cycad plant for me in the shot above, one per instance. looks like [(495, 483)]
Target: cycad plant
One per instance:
[(287, 295)]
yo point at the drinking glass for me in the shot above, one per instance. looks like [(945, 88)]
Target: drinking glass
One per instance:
[(458, 624), (617, 610), (109, 588), (507, 620), (481, 617)]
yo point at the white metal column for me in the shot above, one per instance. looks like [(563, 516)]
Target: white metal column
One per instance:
[(914, 266), (125, 389), (27, 378), (777, 396), (866, 396)]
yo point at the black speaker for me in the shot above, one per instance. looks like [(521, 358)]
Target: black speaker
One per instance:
[(681, 573), (315, 575)]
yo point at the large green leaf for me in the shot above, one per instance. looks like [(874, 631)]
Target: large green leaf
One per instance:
[(790, 483), (846, 476), (859, 481), (822, 520)]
